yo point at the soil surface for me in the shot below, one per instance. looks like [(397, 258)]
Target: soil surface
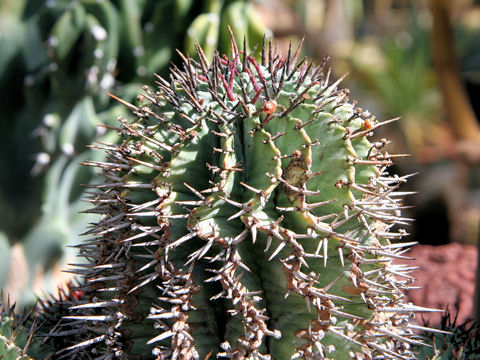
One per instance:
[(446, 275)]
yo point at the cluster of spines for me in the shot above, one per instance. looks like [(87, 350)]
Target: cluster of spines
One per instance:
[(130, 251), (33, 334)]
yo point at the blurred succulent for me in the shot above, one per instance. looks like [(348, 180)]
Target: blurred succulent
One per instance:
[(397, 70), (210, 28)]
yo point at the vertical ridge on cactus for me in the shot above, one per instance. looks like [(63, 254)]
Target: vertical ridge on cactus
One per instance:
[(247, 215)]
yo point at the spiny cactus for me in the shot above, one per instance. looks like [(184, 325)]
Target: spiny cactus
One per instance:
[(246, 215), (22, 336), (16, 335), (245, 210), (453, 341)]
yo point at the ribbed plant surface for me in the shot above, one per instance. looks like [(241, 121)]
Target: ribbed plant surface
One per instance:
[(245, 215)]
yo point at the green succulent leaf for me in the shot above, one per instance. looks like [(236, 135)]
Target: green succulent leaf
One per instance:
[(67, 30)]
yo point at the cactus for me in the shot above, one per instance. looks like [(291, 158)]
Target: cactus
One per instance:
[(23, 337), (13, 340), (16, 335), (244, 214), (452, 341)]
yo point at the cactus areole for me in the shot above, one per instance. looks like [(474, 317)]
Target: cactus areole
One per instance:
[(245, 215)]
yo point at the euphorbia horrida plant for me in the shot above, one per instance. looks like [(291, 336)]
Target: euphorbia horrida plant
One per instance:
[(246, 215)]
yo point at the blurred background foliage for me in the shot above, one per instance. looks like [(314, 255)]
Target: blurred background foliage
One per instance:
[(417, 59)]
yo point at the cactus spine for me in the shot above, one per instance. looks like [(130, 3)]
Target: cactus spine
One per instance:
[(246, 215)]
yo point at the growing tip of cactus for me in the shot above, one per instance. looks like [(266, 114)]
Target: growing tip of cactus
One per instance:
[(246, 214)]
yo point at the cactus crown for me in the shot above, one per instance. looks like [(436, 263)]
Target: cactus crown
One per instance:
[(245, 214)]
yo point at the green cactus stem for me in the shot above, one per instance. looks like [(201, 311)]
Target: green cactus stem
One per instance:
[(247, 215), (17, 334), (452, 341)]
